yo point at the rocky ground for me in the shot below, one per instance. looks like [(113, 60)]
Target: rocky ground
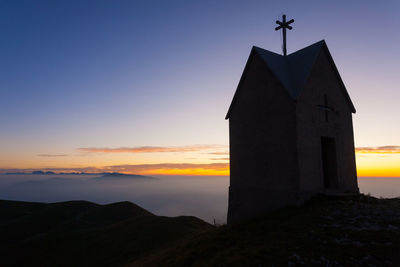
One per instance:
[(328, 231)]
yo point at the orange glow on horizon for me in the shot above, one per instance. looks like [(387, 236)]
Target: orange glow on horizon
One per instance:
[(195, 172), (378, 173), (362, 171), (371, 162)]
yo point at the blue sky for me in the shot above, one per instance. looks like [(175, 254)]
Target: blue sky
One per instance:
[(162, 73)]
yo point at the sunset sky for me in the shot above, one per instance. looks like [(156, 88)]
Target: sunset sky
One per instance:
[(144, 86)]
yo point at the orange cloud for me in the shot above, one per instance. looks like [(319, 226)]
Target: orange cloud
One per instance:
[(52, 155), (219, 153), (150, 149), (378, 150)]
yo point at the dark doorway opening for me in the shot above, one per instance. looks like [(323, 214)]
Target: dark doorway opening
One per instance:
[(329, 164)]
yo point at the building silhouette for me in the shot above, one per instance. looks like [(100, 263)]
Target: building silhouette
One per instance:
[(291, 132)]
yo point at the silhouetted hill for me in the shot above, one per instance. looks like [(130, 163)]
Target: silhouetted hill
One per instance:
[(42, 172), (81, 233), (328, 231)]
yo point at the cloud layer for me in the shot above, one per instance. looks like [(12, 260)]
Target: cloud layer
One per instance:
[(219, 153), (52, 155), (379, 150), (150, 149)]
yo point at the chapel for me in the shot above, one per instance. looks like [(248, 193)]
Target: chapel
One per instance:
[(290, 132)]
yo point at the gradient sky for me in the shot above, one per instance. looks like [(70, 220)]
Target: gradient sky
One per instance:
[(76, 76)]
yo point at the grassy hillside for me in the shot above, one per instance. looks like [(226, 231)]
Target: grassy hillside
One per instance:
[(328, 231), (80, 233)]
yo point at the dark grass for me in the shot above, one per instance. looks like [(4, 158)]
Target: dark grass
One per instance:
[(327, 231), (79, 233)]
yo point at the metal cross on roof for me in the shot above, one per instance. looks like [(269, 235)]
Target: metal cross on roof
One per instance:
[(284, 25)]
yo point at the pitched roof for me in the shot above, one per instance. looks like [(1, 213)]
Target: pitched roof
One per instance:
[(293, 70)]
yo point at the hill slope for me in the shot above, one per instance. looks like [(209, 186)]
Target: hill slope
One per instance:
[(80, 233), (327, 231)]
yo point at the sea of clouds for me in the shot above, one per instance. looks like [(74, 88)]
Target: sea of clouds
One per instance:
[(205, 197)]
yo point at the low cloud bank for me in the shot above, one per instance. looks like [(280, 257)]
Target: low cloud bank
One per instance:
[(150, 149), (201, 196), (379, 150), (219, 153), (52, 155)]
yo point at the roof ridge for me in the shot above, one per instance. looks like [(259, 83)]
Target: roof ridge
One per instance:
[(307, 47), (265, 50), (293, 71)]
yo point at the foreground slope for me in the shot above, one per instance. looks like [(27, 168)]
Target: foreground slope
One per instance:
[(80, 233), (328, 231)]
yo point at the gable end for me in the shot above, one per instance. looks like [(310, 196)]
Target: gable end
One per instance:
[(291, 71), (254, 53), (339, 79)]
